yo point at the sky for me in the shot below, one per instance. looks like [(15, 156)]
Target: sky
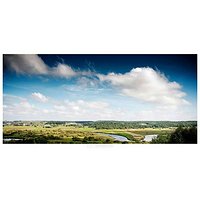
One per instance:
[(99, 87)]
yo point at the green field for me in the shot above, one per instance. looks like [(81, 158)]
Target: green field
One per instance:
[(76, 135)]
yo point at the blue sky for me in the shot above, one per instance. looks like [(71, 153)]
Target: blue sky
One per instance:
[(100, 87)]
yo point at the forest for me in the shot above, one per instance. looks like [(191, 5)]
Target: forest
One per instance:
[(139, 124)]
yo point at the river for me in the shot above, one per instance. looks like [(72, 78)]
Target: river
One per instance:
[(10, 139), (149, 138), (116, 137)]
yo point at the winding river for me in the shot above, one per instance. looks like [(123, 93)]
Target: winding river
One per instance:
[(116, 137)]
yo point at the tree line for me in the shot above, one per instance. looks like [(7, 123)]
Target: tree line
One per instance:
[(139, 124)]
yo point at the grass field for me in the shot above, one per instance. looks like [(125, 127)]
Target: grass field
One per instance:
[(77, 135)]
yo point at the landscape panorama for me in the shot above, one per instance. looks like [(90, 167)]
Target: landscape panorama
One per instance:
[(100, 99)]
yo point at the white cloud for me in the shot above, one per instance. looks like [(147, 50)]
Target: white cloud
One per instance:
[(165, 114), (26, 64), (39, 97), (17, 108), (87, 82), (8, 98), (34, 65), (86, 110), (87, 104), (147, 85), (80, 107), (63, 71)]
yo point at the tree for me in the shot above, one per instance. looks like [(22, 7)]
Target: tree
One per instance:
[(184, 136)]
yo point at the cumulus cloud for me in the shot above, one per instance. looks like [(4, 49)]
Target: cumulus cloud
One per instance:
[(26, 64), (147, 85), (39, 97), (63, 71), (34, 65)]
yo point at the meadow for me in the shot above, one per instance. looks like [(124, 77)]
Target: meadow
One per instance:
[(77, 135)]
